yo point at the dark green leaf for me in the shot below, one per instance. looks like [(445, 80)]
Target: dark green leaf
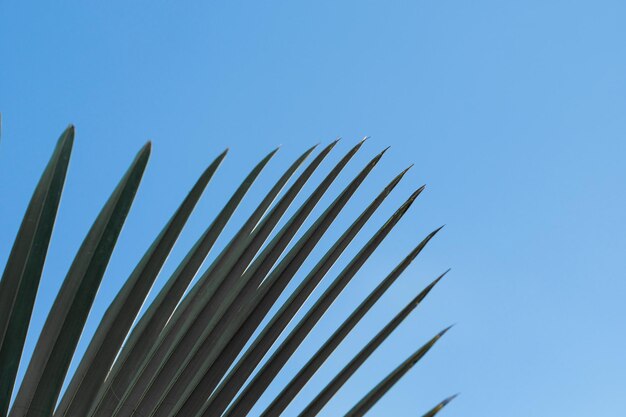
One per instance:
[(268, 293), (316, 405), (292, 389), (268, 372), (46, 371), (385, 385), (234, 292), (114, 326), (145, 334), (22, 273), (236, 257), (257, 307)]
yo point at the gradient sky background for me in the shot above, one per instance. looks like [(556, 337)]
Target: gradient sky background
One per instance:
[(513, 112)]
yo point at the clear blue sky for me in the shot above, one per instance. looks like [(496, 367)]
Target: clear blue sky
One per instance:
[(513, 112)]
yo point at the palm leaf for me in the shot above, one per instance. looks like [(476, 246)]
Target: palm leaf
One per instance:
[(175, 346), (385, 385), (268, 372), (193, 354), (276, 281), (48, 366), (331, 389), (20, 280), (120, 315), (149, 327), (224, 393), (280, 320), (233, 292), (283, 399)]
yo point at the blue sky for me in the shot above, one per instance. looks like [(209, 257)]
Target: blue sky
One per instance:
[(513, 113)]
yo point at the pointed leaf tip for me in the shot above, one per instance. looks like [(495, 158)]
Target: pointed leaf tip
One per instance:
[(435, 282), (312, 148), (67, 138), (144, 153), (395, 181), (400, 176), (376, 159), (213, 166), (330, 146), (357, 146), (407, 169), (309, 151), (380, 155), (433, 233), (407, 204), (450, 399), (444, 331), (424, 293), (417, 192), (440, 277), (440, 406)]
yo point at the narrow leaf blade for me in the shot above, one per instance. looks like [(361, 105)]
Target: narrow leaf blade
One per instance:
[(119, 317), (54, 349), (270, 369), (386, 384), (288, 393), (316, 405), (22, 274)]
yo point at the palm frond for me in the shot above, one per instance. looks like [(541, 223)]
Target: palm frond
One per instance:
[(22, 273), (270, 333), (268, 372), (331, 389), (146, 333), (270, 288), (119, 317), (385, 385), (194, 351), (53, 352), (288, 393)]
